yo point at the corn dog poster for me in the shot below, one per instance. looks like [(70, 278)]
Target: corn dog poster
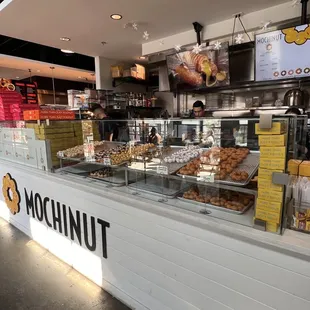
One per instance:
[(200, 68), (283, 54)]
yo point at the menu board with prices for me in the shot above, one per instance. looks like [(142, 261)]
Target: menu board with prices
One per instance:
[(28, 92), (32, 96), (283, 54), (21, 88)]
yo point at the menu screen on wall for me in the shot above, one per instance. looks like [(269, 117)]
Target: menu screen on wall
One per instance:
[(283, 54), (199, 68)]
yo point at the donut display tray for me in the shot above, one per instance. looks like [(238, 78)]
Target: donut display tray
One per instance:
[(211, 206), (117, 179), (250, 165)]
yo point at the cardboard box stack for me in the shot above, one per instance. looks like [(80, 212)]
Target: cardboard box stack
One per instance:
[(11, 106), (61, 135), (272, 143)]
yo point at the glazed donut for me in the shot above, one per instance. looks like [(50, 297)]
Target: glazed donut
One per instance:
[(239, 175), (200, 199)]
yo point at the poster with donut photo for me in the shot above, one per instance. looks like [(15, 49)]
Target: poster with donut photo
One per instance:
[(189, 70), (283, 54)]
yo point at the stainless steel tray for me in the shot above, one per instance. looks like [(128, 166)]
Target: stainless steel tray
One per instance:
[(211, 206), (110, 166), (113, 180), (117, 179), (250, 165), (80, 168)]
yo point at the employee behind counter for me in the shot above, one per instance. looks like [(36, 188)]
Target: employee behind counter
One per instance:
[(111, 130), (229, 130)]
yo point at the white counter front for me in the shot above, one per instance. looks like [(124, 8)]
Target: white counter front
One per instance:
[(154, 256)]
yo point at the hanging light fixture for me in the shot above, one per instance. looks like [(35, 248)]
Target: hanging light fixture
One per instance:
[(30, 77), (53, 82)]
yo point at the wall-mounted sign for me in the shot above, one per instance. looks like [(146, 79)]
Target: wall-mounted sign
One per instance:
[(283, 54), (81, 227)]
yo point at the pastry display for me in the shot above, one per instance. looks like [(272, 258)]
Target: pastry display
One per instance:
[(122, 153), (78, 151), (117, 155), (220, 198), (191, 168), (184, 155), (102, 173), (220, 161), (238, 175), (140, 149)]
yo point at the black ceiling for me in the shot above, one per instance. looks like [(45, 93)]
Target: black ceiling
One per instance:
[(24, 49)]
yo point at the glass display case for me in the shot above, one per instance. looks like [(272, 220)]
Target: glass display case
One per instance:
[(221, 168), (212, 167)]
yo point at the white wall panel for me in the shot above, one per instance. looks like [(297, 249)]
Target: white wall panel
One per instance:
[(248, 286)]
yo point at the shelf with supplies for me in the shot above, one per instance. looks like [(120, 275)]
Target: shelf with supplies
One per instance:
[(128, 80)]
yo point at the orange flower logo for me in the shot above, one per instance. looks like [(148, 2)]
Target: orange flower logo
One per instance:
[(11, 194)]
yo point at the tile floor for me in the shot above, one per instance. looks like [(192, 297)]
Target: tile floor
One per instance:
[(31, 278)]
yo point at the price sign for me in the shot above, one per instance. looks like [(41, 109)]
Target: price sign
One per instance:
[(107, 161), (162, 170), (206, 177), (60, 154), (89, 151)]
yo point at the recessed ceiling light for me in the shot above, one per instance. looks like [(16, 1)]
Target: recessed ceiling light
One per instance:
[(79, 77), (67, 51), (17, 77), (65, 39), (142, 57), (116, 16)]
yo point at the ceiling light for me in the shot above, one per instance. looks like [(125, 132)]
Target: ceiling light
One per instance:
[(142, 57), (38, 70), (17, 77), (67, 51), (116, 16), (65, 39), (79, 77)]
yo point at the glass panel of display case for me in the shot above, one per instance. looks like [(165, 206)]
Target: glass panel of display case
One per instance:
[(298, 206), (219, 168)]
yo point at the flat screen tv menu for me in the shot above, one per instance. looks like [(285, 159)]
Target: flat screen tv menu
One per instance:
[(283, 54)]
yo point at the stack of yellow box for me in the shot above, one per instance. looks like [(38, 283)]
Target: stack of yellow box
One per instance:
[(78, 133), (61, 135), (272, 159), (91, 128)]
